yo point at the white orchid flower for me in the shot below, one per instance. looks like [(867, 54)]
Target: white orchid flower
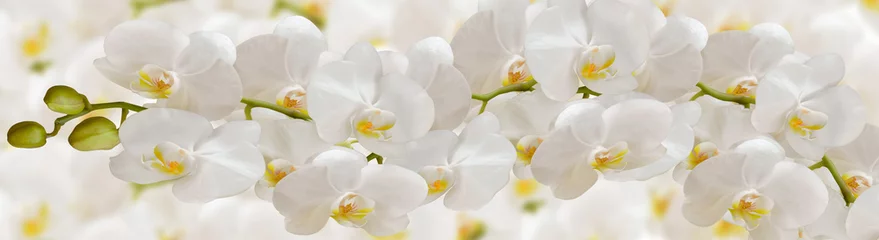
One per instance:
[(804, 105), (468, 169), (286, 144), (489, 46), (277, 67), (633, 138), (429, 63), (164, 144), (156, 61), (375, 198), (772, 198), (600, 45), (831, 224), (863, 219), (353, 97), (597, 215), (525, 119), (737, 61)]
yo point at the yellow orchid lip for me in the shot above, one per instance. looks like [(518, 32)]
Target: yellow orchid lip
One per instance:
[(805, 122), (374, 123), (750, 207), (596, 63), (169, 159), (526, 147), (516, 72), (352, 209), (610, 158), (155, 82)]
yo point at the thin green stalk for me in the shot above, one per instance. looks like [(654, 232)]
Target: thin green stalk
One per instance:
[(124, 116), (373, 156), (743, 100), (843, 188), (518, 87), (67, 118), (697, 95), (274, 107), (247, 112), (585, 90)]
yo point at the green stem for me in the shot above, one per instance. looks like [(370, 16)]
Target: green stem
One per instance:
[(274, 107), (247, 112), (585, 90), (697, 95), (67, 118), (843, 188), (518, 87), (378, 158), (743, 100), (124, 116)]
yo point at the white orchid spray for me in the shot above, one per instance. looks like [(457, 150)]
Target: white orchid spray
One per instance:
[(602, 118)]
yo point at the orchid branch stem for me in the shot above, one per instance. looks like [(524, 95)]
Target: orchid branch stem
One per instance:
[(706, 90), (378, 158), (587, 92), (843, 188), (92, 107), (526, 86), (252, 103)]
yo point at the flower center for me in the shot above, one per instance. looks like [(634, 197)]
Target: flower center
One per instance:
[(604, 159), (857, 182), (470, 228), (660, 201), (438, 179), (276, 170), (35, 43), (750, 206), (743, 86), (292, 97), (154, 82), (524, 188), (351, 210), (375, 123), (804, 122), (596, 63), (724, 229), (526, 147), (701, 152), (170, 159), (516, 71), (872, 5), (36, 221)]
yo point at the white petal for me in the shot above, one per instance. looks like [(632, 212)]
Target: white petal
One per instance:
[(832, 222), (410, 104), (205, 48), (604, 20), (767, 53), (379, 227), (213, 93), (510, 19), (860, 153), (575, 115), (261, 64), (482, 174), (846, 114), (133, 44), (333, 98), (368, 69), (425, 58), (395, 190), (726, 56), (670, 76), (144, 130), (291, 139), (798, 194), (774, 100), (808, 149), (393, 62), (451, 97), (434, 149), (827, 71), (119, 76), (528, 114), (307, 45), (128, 166), (642, 123), (551, 53), (478, 50), (863, 217), (678, 146), (688, 113), (678, 32), (711, 186), (228, 163), (772, 31), (344, 166), (485, 123), (304, 198), (557, 164)]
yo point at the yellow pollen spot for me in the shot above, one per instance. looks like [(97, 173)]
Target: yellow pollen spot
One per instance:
[(36, 44), (168, 167), (734, 24), (699, 155), (857, 184), (437, 186), (517, 73), (170, 235), (34, 226), (469, 228), (402, 235), (804, 128), (525, 187), (526, 153), (872, 5), (349, 211), (156, 86), (273, 175), (724, 229), (746, 209), (606, 159), (660, 203)]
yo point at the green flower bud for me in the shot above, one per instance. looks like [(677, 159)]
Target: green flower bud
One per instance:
[(28, 134), (64, 99), (96, 133)]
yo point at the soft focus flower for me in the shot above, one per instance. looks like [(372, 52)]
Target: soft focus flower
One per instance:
[(203, 163), (737, 61)]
